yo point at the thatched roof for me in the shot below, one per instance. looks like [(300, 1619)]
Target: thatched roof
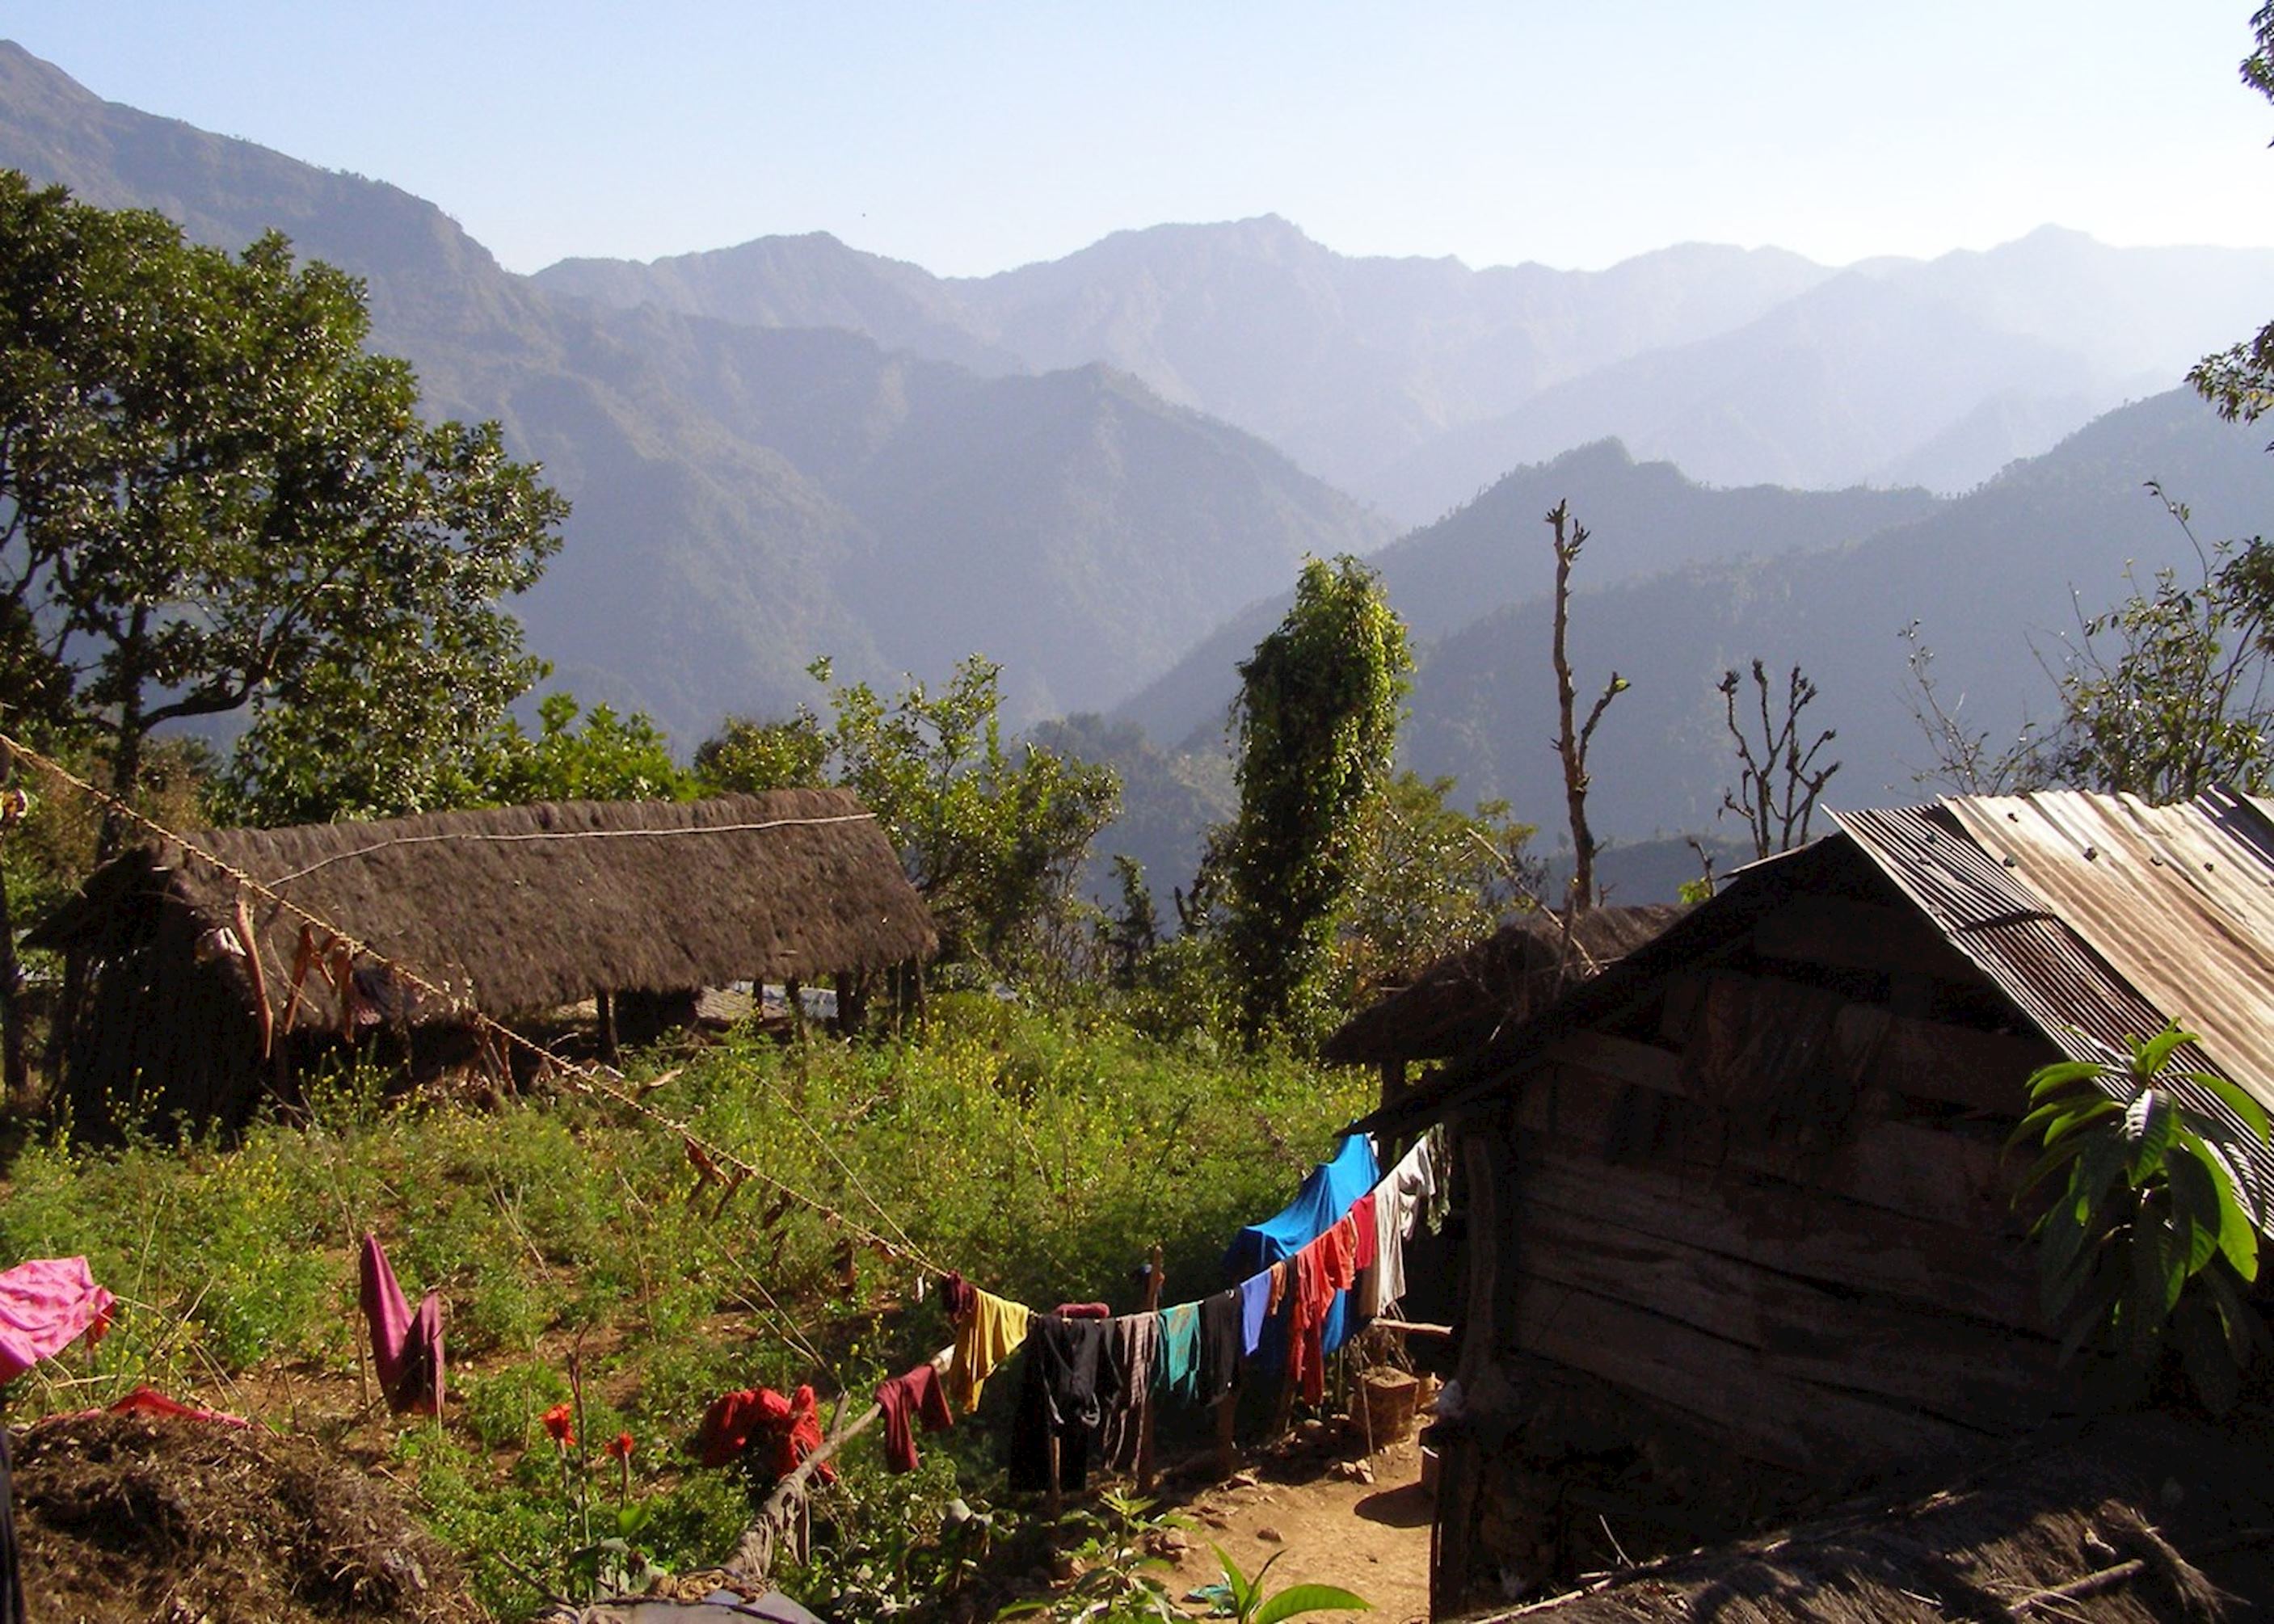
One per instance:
[(1462, 1002), (525, 908), (2121, 1525)]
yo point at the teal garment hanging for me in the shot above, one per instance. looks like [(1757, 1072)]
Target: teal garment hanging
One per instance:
[(1177, 1363)]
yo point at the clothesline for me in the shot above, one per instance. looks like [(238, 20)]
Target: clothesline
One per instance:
[(1089, 1378)]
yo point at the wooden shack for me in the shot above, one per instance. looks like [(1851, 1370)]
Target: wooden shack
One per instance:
[(1738, 1231), (205, 993)]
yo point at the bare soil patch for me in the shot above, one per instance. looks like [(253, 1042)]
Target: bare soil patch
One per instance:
[(1371, 1537), (123, 1519)]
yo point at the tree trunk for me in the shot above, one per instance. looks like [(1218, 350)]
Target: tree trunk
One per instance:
[(15, 1060), (1570, 747)]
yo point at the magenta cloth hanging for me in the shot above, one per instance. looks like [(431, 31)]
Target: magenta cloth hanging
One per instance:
[(45, 1305), (407, 1347)]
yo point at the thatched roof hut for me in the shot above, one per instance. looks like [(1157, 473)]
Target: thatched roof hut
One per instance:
[(1466, 999), (2108, 1528), (512, 912)]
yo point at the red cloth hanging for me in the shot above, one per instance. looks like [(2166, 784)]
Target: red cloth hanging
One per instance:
[(917, 1396)]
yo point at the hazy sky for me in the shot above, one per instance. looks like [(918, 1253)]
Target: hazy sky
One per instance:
[(969, 137)]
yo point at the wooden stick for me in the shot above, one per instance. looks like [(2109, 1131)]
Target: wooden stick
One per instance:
[(1153, 1282), (251, 944), (1415, 1329)]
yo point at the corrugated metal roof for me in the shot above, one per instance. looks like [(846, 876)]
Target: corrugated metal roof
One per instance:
[(2101, 917), (2180, 908)]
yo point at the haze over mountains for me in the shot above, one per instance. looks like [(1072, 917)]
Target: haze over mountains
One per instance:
[(1414, 383), (1102, 470), (747, 499)]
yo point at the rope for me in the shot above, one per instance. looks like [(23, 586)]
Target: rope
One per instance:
[(587, 1079), (567, 834)]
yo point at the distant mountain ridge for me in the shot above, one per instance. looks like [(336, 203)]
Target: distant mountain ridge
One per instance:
[(1414, 383), (746, 498), (1988, 577), (1492, 555)]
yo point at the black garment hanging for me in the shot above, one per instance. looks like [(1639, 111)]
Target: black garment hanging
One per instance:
[(1221, 1340), (1063, 1394)]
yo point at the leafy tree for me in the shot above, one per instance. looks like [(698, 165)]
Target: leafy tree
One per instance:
[(1315, 725), (611, 757), (2161, 697), (1431, 879), (214, 500), (747, 757), (2148, 1235), (1134, 935), (992, 835), (2240, 381), (2181, 703), (1778, 782)]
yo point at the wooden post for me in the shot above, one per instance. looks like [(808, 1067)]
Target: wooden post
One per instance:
[(604, 1006), (1153, 1280), (1227, 1448), (1282, 1413), (794, 996)]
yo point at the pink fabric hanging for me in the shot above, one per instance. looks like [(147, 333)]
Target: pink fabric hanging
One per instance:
[(407, 1347), (45, 1305)]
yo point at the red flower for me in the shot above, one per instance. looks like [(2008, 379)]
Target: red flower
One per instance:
[(560, 1422), (620, 1448)]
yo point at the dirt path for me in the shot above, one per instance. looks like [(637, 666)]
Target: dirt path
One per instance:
[(1369, 1538)]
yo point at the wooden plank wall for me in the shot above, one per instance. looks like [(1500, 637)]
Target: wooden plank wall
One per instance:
[(1773, 1204)]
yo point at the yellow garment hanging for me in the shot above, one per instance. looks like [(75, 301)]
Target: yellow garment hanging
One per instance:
[(984, 1338)]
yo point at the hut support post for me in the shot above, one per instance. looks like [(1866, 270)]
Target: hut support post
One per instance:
[(604, 1006), (1153, 1280)]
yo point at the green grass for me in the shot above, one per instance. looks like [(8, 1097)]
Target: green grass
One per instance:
[(1040, 1155)]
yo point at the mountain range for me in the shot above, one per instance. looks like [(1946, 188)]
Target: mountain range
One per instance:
[(1414, 383), (1995, 582)]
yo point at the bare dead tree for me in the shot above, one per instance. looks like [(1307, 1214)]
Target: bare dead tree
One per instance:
[(1778, 779), (1965, 759), (1571, 742)]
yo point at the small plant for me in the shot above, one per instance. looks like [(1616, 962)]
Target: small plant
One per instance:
[(1243, 1599), (612, 1564), (1118, 1564), (2148, 1233)]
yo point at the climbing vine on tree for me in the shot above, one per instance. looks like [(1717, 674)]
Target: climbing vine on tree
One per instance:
[(1315, 725)]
